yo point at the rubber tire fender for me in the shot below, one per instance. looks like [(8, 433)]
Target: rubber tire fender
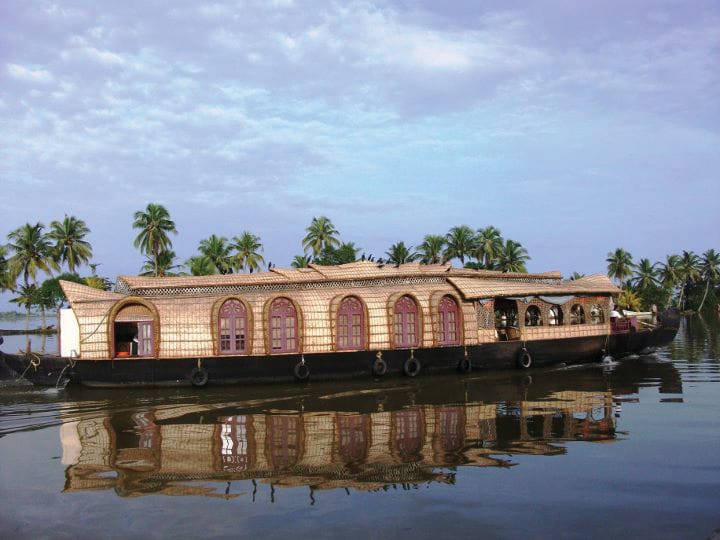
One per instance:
[(379, 367), (302, 371), (464, 365), (412, 367), (524, 360), (199, 377)]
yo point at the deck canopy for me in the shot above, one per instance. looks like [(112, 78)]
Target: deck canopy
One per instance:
[(473, 288)]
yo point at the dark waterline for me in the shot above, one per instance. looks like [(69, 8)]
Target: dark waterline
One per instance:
[(627, 449)]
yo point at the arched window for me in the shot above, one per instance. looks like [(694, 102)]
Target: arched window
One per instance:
[(533, 316), (133, 331), (232, 328), (449, 317), (406, 323), (350, 324), (597, 316), (577, 314), (283, 326), (555, 316)]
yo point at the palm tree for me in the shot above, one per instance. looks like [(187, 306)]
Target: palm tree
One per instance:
[(321, 234), (710, 268), (32, 252), (575, 276), (301, 261), (689, 273), (629, 299), (431, 249), (248, 249), (461, 243), (6, 283), (160, 267), (27, 297), (645, 275), (620, 264), (513, 257), (669, 272), (399, 254), (70, 245), (218, 251), (489, 246), (154, 225), (200, 265)]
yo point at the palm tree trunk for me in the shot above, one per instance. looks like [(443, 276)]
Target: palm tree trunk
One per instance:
[(707, 287), (680, 298), (27, 327)]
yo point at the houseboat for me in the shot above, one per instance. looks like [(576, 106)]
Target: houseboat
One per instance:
[(325, 322)]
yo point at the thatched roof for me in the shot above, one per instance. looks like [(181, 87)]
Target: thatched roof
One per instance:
[(361, 270), (76, 292), (472, 288)]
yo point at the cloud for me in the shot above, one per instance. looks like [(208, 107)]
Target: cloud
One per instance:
[(29, 74)]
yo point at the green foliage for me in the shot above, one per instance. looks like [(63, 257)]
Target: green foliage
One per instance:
[(512, 258), (31, 252), (320, 234), (218, 252), (200, 266), (301, 261), (70, 245), (97, 282), (629, 300), (247, 256), (654, 294), (431, 249), (343, 254), (620, 264), (162, 266), (489, 244), (6, 281), (51, 295), (400, 254), (154, 225), (461, 243)]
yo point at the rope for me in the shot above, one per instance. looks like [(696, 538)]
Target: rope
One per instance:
[(34, 363), (91, 334)]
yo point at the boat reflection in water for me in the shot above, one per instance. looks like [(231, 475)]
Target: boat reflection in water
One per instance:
[(366, 438)]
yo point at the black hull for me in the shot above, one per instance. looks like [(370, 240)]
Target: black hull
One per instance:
[(54, 371)]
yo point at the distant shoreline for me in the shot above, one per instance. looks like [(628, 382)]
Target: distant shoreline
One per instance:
[(31, 331)]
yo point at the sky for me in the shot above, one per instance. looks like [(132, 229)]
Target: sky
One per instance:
[(573, 127)]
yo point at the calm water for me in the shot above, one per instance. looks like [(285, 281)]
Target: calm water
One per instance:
[(627, 449), (47, 343)]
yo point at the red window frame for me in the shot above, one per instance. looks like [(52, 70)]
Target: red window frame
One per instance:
[(232, 328), (449, 313), (350, 327), (406, 326), (283, 326)]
